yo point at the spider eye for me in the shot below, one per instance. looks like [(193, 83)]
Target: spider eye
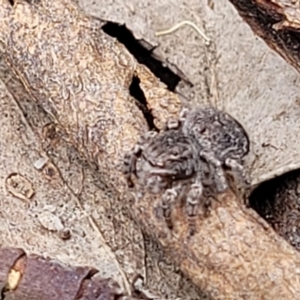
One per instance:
[(175, 153)]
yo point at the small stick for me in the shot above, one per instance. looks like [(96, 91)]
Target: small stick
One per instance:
[(178, 25)]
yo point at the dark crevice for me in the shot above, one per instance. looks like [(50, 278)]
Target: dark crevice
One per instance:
[(137, 93), (265, 196), (11, 2), (142, 54), (262, 197), (277, 201)]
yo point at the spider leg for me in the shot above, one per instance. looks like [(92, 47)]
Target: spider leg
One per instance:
[(130, 159), (239, 171), (129, 164), (147, 137), (194, 197), (241, 177), (218, 171), (171, 124), (168, 199), (183, 113), (156, 184)]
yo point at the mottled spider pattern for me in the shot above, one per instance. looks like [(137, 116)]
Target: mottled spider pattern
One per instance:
[(169, 161), (225, 141), (190, 158)]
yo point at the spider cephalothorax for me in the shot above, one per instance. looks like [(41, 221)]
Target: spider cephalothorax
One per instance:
[(168, 154)]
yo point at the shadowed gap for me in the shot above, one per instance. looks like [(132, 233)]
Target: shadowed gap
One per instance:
[(136, 92), (142, 54)]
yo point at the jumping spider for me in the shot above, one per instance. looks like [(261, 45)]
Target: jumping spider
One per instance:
[(189, 155)]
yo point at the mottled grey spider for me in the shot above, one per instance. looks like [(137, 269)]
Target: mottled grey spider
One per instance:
[(191, 154)]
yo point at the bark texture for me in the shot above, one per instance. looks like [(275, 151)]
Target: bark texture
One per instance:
[(81, 77), (277, 22), (35, 277)]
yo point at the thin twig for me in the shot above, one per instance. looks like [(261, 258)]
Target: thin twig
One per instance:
[(178, 25)]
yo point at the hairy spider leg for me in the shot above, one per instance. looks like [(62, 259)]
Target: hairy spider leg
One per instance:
[(193, 200), (221, 181)]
